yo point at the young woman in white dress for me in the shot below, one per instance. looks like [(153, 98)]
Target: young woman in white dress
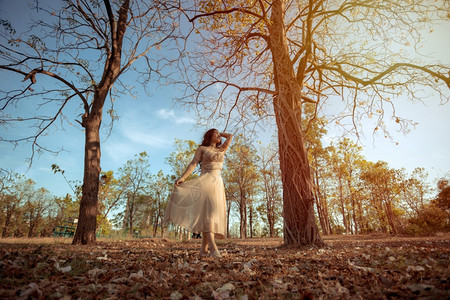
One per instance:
[(199, 204)]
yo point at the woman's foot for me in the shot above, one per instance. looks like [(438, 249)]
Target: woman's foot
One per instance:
[(216, 254)]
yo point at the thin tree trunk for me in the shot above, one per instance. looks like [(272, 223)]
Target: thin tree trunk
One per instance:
[(251, 220), (352, 201), (245, 220), (321, 208), (7, 223), (228, 218), (270, 217), (131, 218), (390, 216), (344, 215)]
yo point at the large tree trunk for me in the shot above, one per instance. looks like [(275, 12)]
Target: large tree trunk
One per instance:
[(298, 198), (87, 219)]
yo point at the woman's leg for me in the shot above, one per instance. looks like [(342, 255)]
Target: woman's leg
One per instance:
[(205, 241), (212, 245)]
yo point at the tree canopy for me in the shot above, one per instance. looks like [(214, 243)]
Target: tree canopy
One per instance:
[(257, 59)]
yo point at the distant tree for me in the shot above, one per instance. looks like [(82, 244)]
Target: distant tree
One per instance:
[(11, 185), (159, 193), (384, 186), (415, 191), (34, 209), (110, 192), (67, 208), (71, 59), (269, 170), (232, 196), (241, 173), (319, 158), (434, 216), (443, 198), (348, 159), (180, 158), (136, 179)]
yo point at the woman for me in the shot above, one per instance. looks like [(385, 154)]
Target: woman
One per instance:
[(199, 204)]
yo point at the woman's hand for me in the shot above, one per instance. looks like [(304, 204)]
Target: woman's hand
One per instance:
[(225, 135), (179, 181)]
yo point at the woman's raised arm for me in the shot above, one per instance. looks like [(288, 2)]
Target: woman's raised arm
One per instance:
[(226, 144)]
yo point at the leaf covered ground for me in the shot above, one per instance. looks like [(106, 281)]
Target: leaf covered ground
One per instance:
[(348, 267)]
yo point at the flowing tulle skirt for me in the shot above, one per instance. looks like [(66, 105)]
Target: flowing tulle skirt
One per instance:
[(199, 204)]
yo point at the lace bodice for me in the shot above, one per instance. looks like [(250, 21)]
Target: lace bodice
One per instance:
[(212, 155), (210, 158)]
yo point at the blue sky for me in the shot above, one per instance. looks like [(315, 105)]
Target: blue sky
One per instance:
[(151, 124)]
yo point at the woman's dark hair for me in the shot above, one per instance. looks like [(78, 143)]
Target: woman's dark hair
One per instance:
[(207, 138)]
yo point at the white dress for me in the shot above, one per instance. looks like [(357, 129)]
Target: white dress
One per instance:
[(199, 204)]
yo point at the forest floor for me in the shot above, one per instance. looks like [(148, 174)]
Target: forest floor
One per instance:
[(348, 267)]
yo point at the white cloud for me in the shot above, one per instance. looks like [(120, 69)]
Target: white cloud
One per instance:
[(134, 137), (148, 139), (166, 114)]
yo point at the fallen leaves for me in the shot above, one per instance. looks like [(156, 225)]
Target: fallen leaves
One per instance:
[(349, 267)]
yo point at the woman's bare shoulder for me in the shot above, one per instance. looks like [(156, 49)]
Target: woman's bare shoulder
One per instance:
[(200, 149)]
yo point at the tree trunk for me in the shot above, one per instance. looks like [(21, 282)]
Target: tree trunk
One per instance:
[(390, 216), (352, 202), (228, 218), (91, 121), (251, 220), (322, 209), (270, 217), (87, 219), (155, 227), (245, 225), (31, 227), (7, 223), (131, 218), (343, 212), (241, 223), (298, 198)]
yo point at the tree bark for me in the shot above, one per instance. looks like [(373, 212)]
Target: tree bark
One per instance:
[(87, 219), (298, 198)]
